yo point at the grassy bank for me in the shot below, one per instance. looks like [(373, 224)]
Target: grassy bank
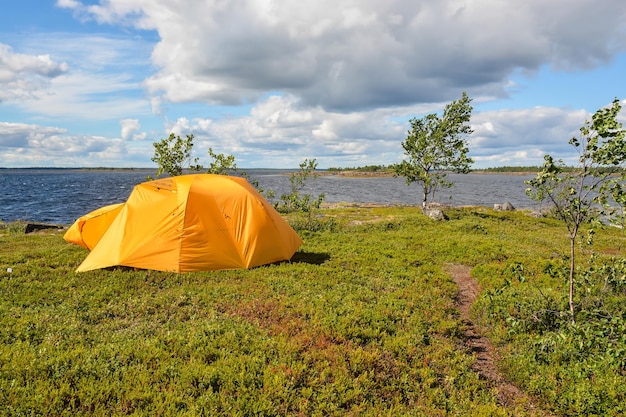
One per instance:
[(362, 322)]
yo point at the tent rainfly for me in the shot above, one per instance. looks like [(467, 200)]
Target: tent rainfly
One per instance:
[(196, 222)]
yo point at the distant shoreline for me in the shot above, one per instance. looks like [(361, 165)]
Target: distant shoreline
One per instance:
[(379, 174), (348, 173), (520, 173), (75, 169), (354, 174)]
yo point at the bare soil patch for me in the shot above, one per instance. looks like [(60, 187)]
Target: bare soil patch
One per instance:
[(509, 395)]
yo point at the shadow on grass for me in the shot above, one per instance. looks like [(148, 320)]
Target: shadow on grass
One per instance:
[(313, 258)]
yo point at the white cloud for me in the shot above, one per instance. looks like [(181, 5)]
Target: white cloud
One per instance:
[(130, 129), (27, 145), (24, 76), (335, 80), (77, 96), (280, 131), (523, 137), (98, 78), (345, 55), (69, 3), (20, 135)]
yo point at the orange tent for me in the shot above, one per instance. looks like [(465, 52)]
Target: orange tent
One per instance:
[(88, 229), (187, 223)]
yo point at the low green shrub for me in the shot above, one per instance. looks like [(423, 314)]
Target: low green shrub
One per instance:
[(577, 367), (13, 227)]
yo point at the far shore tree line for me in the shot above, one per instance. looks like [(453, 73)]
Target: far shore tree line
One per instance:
[(390, 169)]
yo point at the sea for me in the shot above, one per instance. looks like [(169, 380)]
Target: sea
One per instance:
[(60, 196)]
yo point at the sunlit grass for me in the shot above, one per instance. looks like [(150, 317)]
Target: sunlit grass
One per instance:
[(361, 322)]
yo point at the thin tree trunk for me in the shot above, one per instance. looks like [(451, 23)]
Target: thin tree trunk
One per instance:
[(572, 249)]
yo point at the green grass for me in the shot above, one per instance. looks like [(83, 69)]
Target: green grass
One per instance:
[(362, 322)]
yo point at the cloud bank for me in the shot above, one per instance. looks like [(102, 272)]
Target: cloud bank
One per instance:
[(334, 80)]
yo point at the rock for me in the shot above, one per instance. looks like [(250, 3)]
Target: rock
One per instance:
[(435, 214), (508, 206), (503, 207), (35, 227)]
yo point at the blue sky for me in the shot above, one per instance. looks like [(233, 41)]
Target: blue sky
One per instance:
[(95, 83)]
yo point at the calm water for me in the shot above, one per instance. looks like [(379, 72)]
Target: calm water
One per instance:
[(61, 196)]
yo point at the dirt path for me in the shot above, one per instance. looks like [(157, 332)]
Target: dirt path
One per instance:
[(486, 356)]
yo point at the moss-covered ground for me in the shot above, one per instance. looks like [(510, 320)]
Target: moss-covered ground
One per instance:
[(361, 322)]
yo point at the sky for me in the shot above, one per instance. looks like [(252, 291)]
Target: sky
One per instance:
[(272, 82)]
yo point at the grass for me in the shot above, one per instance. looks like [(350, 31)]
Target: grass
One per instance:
[(361, 322)]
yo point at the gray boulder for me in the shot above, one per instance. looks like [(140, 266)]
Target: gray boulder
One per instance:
[(503, 207), (435, 214)]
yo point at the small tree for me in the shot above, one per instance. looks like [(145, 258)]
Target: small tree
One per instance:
[(295, 201), (578, 195), (437, 145), (173, 155), (221, 164)]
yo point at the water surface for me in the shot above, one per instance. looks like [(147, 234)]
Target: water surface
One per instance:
[(62, 195)]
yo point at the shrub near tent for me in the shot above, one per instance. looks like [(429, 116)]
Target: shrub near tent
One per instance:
[(192, 223)]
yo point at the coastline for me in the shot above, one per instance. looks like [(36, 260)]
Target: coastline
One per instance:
[(382, 174), (355, 174), (349, 173)]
